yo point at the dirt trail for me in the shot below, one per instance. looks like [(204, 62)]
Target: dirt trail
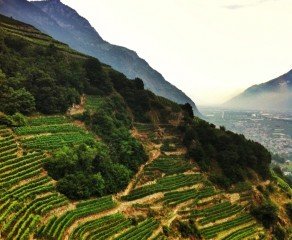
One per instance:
[(153, 155), (78, 109)]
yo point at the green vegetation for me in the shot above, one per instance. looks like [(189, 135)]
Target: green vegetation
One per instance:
[(141, 231), (164, 184), (86, 170), (49, 133), (14, 120), (57, 226), (41, 75), (160, 236), (241, 233), (48, 120), (102, 228), (25, 195), (94, 102), (177, 197), (56, 128), (95, 155), (281, 180), (44, 75), (82, 166), (188, 229), (213, 231), (51, 142), (169, 165), (45, 134), (223, 213), (112, 124), (288, 208), (233, 153), (267, 213)]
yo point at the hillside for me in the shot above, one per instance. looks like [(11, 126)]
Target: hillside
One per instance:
[(66, 25), (86, 153), (274, 95)]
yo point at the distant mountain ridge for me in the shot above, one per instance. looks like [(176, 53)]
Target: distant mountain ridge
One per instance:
[(275, 94), (66, 25)]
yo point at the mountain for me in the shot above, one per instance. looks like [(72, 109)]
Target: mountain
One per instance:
[(275, 94), (66, 25), (86, 153)]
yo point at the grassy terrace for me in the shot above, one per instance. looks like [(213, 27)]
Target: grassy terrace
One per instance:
[(47, 133), (169, 165), (32, 35), (26, 195), (163, 185), (57, 226), (101, 228), (177, 197)]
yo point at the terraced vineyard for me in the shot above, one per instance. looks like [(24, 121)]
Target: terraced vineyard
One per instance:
[(102, 228), (51, 133), (57, 226), (169, 165), (34, 36), (27, 194), (47, 120), (31, 207), (178, 197), (195, 198), (163, 185)]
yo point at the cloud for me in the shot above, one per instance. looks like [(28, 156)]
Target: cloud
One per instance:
[(235, 6), (246, 4)]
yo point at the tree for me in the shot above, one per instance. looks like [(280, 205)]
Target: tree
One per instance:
[(80, 186), (288, 208), (116, 176), (97, 77), (62, 163), (267, 213), (20, 100), (188, 109), (85, 171), (19, 120)]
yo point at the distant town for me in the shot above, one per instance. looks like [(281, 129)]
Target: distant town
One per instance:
[(271, 129)]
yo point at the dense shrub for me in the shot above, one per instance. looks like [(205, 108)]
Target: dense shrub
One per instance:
[(188, 229), (267, 213), (288, 208), (87, 170), (231, 152)]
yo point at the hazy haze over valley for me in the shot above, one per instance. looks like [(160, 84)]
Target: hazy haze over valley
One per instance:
[(211, 50)]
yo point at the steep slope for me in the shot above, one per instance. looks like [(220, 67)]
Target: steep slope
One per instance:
[(66, 25), (272, 95), (118, 162), (26, 12)]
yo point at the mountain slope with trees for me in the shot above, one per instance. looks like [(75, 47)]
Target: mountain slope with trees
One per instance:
[(171, 175), (66, 25)]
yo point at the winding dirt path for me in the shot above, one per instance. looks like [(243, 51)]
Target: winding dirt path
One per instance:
[(154, 154)]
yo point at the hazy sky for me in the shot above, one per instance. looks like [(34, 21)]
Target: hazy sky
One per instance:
[(210, 49)]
